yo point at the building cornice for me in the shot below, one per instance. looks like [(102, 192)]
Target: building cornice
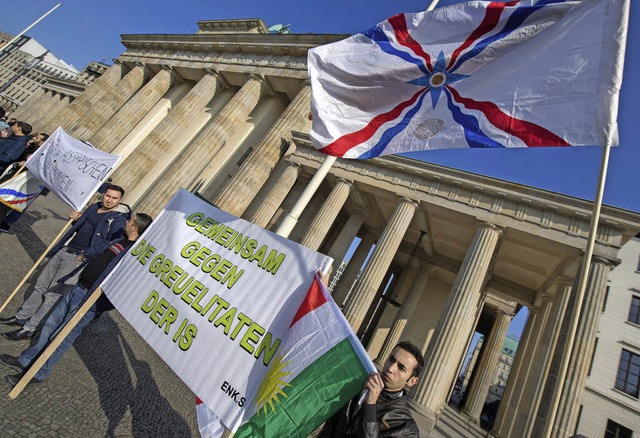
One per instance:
[(295, 45), (539, 212)]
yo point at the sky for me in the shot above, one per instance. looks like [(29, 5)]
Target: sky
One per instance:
[(82, 31)]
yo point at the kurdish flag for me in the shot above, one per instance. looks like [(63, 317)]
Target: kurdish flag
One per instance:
[(482, 74), (20, 191), (321, 368)]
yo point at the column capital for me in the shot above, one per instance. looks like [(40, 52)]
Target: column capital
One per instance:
[(546, 297), (174, 73), (292, 165), (345, 181), (265, 82), (407, 200), (145, 68), (359, 211), (426, 265), (490, 226), (604, 261), (219, 77)]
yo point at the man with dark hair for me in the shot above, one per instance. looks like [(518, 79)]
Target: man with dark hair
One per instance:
[(14, 145), (383, 410), (99, 225), (92, 272)]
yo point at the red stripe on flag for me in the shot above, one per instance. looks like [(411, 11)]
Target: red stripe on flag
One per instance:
[(342, 145), (489, 22), (198, 401), (314, 299), (399, 24), (530, 133)]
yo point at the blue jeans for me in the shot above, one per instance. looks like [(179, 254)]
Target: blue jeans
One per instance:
[(62, 312)]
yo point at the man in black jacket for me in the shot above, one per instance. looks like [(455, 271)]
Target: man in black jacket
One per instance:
[(383, 410)]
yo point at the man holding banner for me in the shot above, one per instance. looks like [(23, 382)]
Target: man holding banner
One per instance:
[(383, 410), (91, 274), (99, 225)]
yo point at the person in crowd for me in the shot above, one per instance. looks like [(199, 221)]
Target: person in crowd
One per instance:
[(383, 410), (100, 224), (8, 216), (33, 144), (14, 145), (92, 273)]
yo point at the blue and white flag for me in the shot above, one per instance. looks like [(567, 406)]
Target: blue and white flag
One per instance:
[(20, 191), (479, 74)]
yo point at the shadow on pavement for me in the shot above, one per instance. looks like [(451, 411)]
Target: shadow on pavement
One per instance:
[(107, 356)]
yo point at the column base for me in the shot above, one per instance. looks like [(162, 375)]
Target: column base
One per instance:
[(425, 419)]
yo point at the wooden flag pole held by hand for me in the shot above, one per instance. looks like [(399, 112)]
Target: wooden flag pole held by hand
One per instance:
[(55, 343), (35, 266)]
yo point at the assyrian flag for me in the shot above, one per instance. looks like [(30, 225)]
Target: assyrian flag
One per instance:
[(322, 367), (20, 191), (479, 74)]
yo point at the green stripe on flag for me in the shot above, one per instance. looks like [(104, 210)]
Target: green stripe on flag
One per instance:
[(315, 394)]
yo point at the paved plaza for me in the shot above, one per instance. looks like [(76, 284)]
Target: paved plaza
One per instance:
[(109, 383)]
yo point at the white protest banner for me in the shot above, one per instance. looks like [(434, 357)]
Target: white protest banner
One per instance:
[(215, 296), (70, 168)]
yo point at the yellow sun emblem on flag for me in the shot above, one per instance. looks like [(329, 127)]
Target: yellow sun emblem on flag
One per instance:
[(272, 386)]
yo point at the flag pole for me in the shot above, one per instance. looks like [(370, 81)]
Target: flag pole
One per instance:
[(6, 46), (35, 266), (55, 343), (580, 292), (291, 219)]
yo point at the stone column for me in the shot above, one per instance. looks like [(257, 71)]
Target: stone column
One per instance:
[(353, 268), (486, 368), (37, 116), (93, 93), (51, 116), (35, 101), (456, 322), (348, 232), (118, 126), (327, 215), (109, 103), (406, 311), (365, 291), (254, 172), (274, 198), (201, 153), (509, 406), (553, 312), (143, 165), (584, 343)]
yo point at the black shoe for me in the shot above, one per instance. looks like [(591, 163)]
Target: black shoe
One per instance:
[(15, 378), (17, 335), (12, 361), (4, 227), (12, 320)]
